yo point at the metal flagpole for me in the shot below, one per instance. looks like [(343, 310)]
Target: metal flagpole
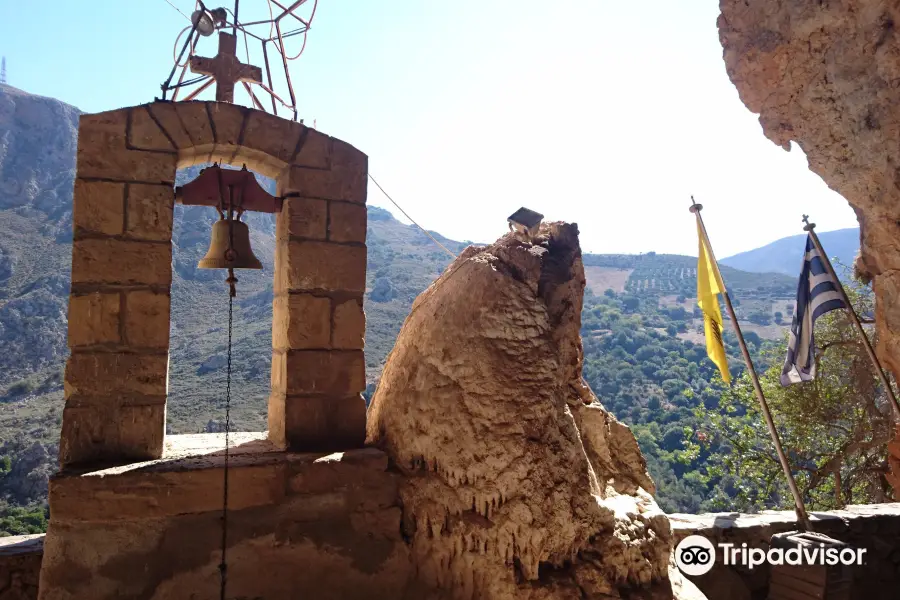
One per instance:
[(810, 227), (799, 506)]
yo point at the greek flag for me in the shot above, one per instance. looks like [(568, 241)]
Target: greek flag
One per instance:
[(817, 293)]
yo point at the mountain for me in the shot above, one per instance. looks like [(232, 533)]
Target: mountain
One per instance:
[(641, 325), (785, 255)]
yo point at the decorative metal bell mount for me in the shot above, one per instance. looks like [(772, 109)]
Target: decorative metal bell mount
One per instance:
[(231, 192)]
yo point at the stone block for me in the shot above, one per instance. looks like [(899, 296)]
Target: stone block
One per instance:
[(111, 434), (275, 419), (167, 116), (302, 217), (145, 134), (123, 262), (149, 212), (228, 121), (259, 161), (141, 430), (325, 423), (349, 325), (315, 151), (98, 207), (279, 277), (347, 222), (84, 436), (195, 119), (113, 401), (309, 372), (365, 467), (271, 135), (165, 489), (310, 265), (102, 154), (301, 321), (224, 155), (339, 183), (113, 122), (146, 323), (278, 377), (94, 319), (318, 507), (345, 155), (112, 373)]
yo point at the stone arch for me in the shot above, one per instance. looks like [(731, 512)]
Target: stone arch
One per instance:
[(117, 372)]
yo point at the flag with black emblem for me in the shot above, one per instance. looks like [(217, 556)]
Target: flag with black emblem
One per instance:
[(709, 286)]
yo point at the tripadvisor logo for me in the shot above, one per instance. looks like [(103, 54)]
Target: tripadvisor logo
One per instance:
[(695, 555)]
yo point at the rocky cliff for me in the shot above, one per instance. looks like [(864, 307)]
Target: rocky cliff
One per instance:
[(826, 75), (518, 483), (37, 167)]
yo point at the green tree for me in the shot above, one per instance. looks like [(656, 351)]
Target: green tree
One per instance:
[(759, 317), (834, 429)]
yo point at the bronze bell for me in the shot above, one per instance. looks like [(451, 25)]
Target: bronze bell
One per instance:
[(229, 247)]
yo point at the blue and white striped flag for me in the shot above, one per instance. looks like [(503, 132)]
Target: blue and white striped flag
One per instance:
[(817, 294)]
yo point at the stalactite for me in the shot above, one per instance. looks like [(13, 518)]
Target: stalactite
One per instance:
[(494, 502)]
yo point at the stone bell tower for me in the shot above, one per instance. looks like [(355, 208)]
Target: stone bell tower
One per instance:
[(121, 275), (136, 513)]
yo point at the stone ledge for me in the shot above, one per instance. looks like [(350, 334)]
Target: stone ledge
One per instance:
[(768, 522), (18, 545), (317, 525), (20, 565), (188, 479), (875, 527)]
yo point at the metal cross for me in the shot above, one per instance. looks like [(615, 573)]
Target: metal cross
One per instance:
[(225, 68), (809, 226)]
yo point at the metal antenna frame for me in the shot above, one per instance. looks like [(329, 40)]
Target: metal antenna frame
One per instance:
[(276, 39)]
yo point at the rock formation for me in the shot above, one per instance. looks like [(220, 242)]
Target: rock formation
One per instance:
[(518, 483), (826, 75)]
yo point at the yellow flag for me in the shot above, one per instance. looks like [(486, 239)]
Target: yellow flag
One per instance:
[(709, 286)]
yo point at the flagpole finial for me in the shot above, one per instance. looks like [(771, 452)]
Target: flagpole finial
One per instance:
[(808, 226), (695, 208)]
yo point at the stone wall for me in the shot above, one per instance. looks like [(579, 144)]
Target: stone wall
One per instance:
[(116, 375), (299, 526), (874, 527), (20, 564)]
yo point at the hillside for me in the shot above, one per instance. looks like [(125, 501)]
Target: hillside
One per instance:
[(784, 255), (640, 320)]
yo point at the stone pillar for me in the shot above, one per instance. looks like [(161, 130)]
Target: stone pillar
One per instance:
[(116, 374), (318, 329)]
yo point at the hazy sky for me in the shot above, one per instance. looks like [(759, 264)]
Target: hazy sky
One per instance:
[(602, 112)]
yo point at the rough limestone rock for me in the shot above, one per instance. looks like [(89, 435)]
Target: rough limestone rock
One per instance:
[(826, 75), (518, 483)]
